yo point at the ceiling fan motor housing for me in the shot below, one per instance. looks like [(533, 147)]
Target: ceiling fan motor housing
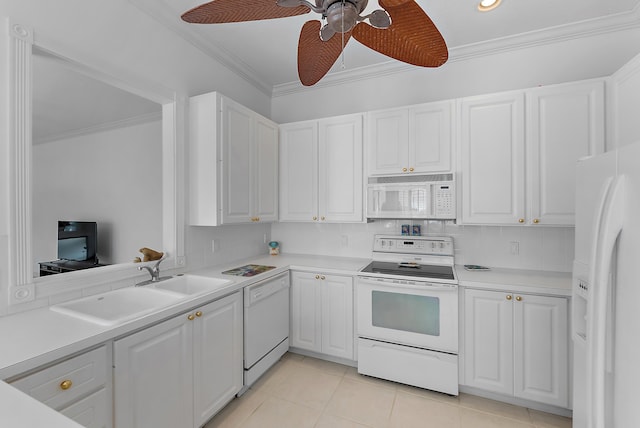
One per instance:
[(342, 15)]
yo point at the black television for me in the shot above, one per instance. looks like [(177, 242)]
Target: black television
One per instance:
[(78, 241)]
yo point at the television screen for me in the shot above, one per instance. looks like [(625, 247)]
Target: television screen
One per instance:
[(77, 240), (72, 248)]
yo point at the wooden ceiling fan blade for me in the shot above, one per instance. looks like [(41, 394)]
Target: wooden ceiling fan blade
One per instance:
[(412, 37), (222, 11), (316, 57)]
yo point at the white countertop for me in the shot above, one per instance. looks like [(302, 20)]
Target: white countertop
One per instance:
[(21, 411), (523, 281), (41, 336)]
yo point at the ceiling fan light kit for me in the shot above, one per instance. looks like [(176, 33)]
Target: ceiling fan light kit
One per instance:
[(401, 30)]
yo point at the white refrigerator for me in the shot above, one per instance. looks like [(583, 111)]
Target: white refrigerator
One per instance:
[(606, 291)]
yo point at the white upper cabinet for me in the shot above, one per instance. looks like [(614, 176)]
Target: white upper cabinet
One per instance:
[(321, 170), (414, 140), (233, 165), (564, 123), (492, 158), (299, 171), (623, 93), (510, 176)]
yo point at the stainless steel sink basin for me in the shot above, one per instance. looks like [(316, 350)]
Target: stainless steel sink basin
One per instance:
[(191, 284), (118, 306)]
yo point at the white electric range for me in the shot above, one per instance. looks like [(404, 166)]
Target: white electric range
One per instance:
[(407, 312)]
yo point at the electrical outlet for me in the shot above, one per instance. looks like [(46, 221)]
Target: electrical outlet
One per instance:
[(515, 248)]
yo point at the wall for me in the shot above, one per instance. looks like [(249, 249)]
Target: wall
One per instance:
[(540, 248), (112, 177), (118, 39)]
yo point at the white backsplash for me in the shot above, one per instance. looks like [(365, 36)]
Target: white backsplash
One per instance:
[(231, 243), (539, 248)]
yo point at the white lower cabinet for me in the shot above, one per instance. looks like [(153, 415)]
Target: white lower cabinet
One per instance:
[(322, 313), (180, 372), (517, 344), (79, 388)]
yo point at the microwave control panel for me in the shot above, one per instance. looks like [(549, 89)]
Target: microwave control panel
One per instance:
[(444, 200)]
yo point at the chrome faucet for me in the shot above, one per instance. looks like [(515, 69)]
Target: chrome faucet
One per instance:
[(154, 271)]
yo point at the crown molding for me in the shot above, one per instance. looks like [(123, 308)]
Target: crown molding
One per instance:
[(592, 27), (155, 10), (103, 127)]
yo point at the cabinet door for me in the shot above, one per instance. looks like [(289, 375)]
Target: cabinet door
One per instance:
[(337, 316), (492, 157), (217, 356), (266, 169), (237, 172), (299, 171), (153, 384), (541, 363), (305, 312), (488, 340), (430, 137), (564, 123), (387, 142), (340, 169), (91, 411)]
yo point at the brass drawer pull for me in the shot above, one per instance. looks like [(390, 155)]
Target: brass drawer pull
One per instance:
[(191, 317), (518, 298), (509, 297), (65, 384), (199, 314)]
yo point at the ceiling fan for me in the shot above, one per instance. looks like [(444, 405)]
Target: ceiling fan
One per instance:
[(401, 30)]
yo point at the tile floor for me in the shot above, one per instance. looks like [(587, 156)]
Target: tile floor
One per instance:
[(300, 392)]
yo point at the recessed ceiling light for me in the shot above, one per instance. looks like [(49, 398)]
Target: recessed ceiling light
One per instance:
[(487, 5)]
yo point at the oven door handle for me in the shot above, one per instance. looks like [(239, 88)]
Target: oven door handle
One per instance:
[(426, 286)]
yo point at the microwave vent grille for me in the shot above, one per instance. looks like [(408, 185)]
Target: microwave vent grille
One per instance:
[(411, 179)]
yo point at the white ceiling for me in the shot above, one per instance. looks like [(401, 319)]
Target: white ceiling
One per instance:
[(266, 50)]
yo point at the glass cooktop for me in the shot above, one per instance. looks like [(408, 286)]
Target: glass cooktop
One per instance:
[(410, 269)]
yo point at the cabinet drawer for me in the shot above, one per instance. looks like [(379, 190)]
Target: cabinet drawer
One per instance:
[(61, 384), (92, 411)]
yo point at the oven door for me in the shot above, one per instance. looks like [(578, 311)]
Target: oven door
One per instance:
[(413, 313)]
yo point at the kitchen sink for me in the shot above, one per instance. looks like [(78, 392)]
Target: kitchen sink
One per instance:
[(118, 306), (191, 284)]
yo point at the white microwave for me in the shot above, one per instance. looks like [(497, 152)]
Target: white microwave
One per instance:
[(424, 197)]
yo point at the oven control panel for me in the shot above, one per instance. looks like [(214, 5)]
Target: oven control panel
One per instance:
[(436, 245)]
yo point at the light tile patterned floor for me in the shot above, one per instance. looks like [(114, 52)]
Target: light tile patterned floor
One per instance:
[(300, 392)]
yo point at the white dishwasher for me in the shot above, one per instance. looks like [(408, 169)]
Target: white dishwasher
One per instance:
[(266, 325)]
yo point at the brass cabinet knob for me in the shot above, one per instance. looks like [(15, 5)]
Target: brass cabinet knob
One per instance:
[(257, 218), (411, 169), (199, 314), (322, 277), (536, 221), (518, 298), (191, 317), (315, 218), (404, 169), (317, 276), (322, 218), (520, 220), (65, 384), (509, 296)]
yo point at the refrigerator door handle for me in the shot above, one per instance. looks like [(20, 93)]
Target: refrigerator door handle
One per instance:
[(609, 223)]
